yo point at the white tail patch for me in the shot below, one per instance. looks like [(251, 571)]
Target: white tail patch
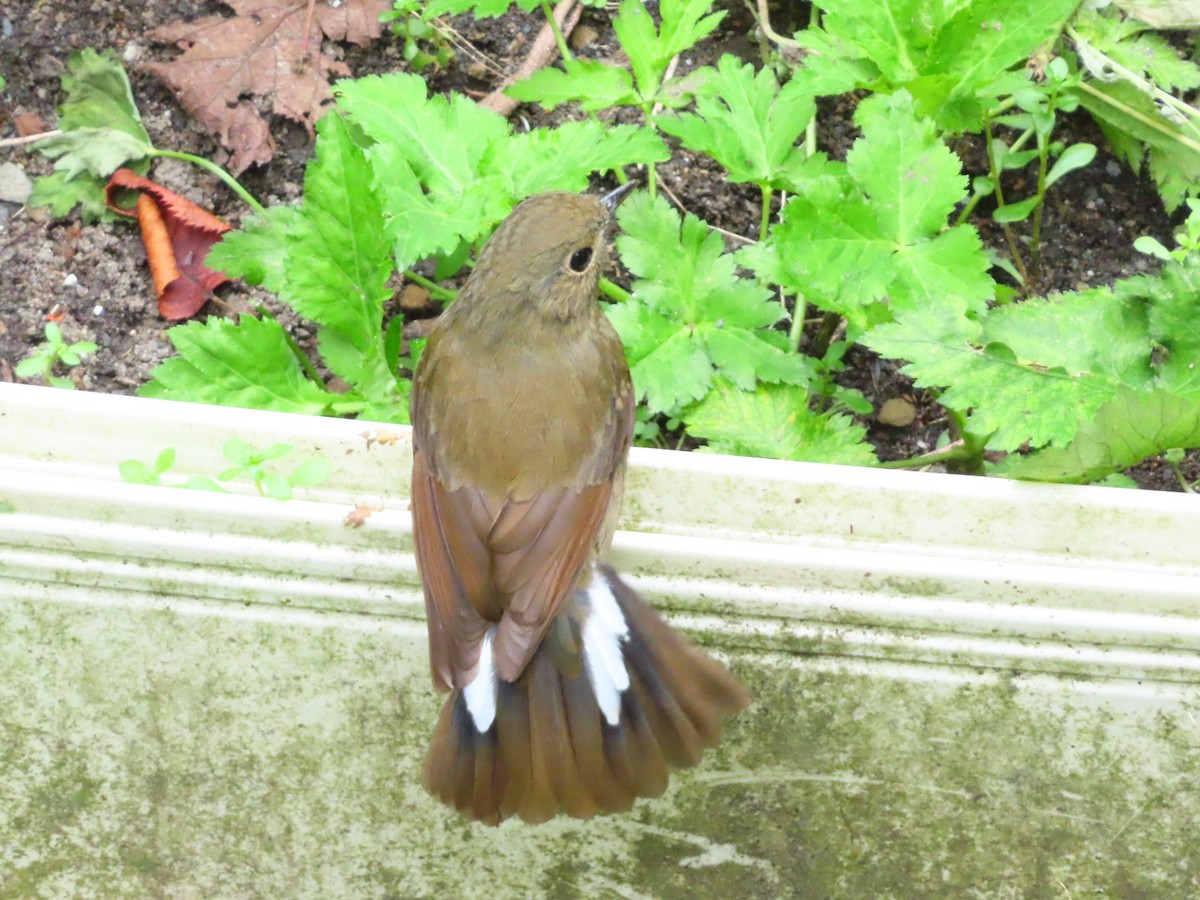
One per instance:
[(603, 633), (480, 694)]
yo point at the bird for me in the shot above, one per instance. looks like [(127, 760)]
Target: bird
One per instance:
[(568, 693)]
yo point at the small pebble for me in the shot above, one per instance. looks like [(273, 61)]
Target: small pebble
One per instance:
[(71, 280), (97, 310), (15, 186), (1112, 168)]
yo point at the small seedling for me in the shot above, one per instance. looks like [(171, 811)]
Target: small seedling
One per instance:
[(424, 43), (250, 464), (1187, 238), (55, 350)]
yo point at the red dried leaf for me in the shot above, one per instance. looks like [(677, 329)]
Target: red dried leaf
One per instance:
[(178, 235), (262, 51)]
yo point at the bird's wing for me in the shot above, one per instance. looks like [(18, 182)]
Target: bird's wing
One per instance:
[(487, 559)]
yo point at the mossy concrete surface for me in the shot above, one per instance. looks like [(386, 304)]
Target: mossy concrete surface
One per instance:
[(204, 751), (963, 687)]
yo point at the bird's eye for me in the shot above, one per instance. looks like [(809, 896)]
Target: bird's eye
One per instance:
[(580, 259)]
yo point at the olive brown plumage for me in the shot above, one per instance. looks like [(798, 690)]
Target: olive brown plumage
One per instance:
[(568, 693)]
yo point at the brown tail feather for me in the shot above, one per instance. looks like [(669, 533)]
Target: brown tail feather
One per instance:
[(550, 748)]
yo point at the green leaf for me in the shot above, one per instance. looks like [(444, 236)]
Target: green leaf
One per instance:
[(746, 123), (874, 228), (561, 159), (593, 84), (1093, 331), (426, 161), (102, 131), (691, 316), (949, 56), (1014, 400), (650, 50), (275, 451), (311, 472), (249, 364), (1174, 324), (1128, 428), (338, 261), (1074, 157), (257, 252), (776, 422), (275, 486), (481, 9), (1016, 212), (135, 472), (1140, 134)]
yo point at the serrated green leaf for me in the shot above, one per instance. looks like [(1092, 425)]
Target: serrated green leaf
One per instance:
[(1128, 428), (650, 50), (92, 151), (339, 261), (1094, 331), (1140, 133), (593, 84), (257, 252), (481, 9), (427, 160), (561, 159), (776, 422), (102, 131), (912, 177), (947, 55), (746, 122), (1174, 324), (1014, 400), (848, 241), (249, 364), (691, 316)]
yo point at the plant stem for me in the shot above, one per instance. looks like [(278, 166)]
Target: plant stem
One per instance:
[(796, 331), (614, 291), (1036, 238), (1183, 482), (432, 286), (558, 35), (829, 327), (1018, 261), (764, 22), (301, 356), (231, 182), (1145, 120), (950, 453), (765, 220)]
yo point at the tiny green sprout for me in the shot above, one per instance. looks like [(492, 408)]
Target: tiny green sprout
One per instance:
[(1187, 238), (135, 471), (424, 43), (250, 463), (55, 350)]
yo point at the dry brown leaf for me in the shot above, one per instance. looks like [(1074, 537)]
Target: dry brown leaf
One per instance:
[(178, 235), (358, 516), (260, 52)]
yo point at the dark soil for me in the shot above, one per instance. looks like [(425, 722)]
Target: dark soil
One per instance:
[(93, 279)]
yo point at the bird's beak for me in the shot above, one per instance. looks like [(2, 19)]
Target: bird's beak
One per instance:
[(612, 200)]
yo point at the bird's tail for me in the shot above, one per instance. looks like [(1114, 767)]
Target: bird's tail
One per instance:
[(612, 699)]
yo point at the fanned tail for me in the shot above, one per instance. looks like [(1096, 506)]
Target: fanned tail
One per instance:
[(611, 701)]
